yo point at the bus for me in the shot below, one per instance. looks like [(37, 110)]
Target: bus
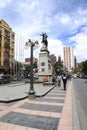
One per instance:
[(4, 79)]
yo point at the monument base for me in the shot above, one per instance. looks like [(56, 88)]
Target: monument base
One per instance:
[(45, 67), (42, 77)]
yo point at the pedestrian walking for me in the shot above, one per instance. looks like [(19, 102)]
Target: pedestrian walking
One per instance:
[(59, 80), (53, 80), (64, 78)]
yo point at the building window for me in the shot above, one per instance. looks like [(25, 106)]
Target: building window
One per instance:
[(13, 36), (6, 63), (49, 66), (43, 64), (43, 69)]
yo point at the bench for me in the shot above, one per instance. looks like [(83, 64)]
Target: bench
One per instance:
[(47, 83)]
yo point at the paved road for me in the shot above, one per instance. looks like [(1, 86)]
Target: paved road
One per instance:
[(80, 90)]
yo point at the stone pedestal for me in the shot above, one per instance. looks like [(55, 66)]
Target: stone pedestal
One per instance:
[(45, 67)]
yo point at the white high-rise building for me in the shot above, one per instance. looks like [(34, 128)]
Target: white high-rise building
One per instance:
[(68, 58)]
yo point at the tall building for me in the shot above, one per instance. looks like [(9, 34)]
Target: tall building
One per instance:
[(68, 58), (7, 41), (53, 58)]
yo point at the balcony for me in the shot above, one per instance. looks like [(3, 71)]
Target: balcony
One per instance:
[(6, 56), (7, 40), (7, 48), (6, 59), (0, 31), (7, 64), (7, 35)]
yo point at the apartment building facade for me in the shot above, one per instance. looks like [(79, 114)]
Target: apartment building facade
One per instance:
[(53, 58), (68, 58), (7, 41)]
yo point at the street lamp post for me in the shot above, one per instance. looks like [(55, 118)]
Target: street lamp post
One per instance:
[(31, 94)]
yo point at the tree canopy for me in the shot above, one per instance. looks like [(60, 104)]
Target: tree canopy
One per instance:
[(58, 66), (84, 67)]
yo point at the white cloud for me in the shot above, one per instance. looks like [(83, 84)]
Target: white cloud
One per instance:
[(65, 19), (55, 47), (4, 3), (81, 46)]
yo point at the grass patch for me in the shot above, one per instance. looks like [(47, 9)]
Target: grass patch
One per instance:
[(35, 81)]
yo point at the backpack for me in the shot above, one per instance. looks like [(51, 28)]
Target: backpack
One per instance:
[(64, 77)]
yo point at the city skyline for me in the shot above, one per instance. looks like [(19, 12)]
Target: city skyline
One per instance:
[(64, 21)]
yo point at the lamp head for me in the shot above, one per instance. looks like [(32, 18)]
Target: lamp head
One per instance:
[(36, 42)]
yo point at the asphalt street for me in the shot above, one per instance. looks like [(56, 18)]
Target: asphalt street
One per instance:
[(80, 92)]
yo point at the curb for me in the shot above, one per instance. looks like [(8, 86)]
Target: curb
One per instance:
[(75, 118), (13, 100)]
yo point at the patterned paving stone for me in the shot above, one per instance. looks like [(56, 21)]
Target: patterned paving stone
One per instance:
[(56, 92), (40, 122), (50, 100), (41, 107), (53, 95)]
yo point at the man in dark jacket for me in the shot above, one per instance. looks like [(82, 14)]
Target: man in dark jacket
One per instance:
[(64, 78)]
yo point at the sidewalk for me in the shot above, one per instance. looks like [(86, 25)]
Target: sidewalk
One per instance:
[(50, 112), (13, 92)]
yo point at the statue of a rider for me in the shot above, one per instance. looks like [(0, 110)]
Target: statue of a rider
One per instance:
[(44, 39)]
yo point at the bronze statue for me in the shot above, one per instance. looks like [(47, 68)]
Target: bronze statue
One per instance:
[(44, 39)]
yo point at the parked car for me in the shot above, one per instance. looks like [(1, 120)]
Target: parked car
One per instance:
[(4, 78), (15, 79), (74, 76)]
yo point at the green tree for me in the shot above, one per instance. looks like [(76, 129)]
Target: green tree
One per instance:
[(27, 68), (58, 66), (84, 67), (35, 65)]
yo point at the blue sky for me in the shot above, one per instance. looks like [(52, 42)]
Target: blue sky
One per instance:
[(64, 21)]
